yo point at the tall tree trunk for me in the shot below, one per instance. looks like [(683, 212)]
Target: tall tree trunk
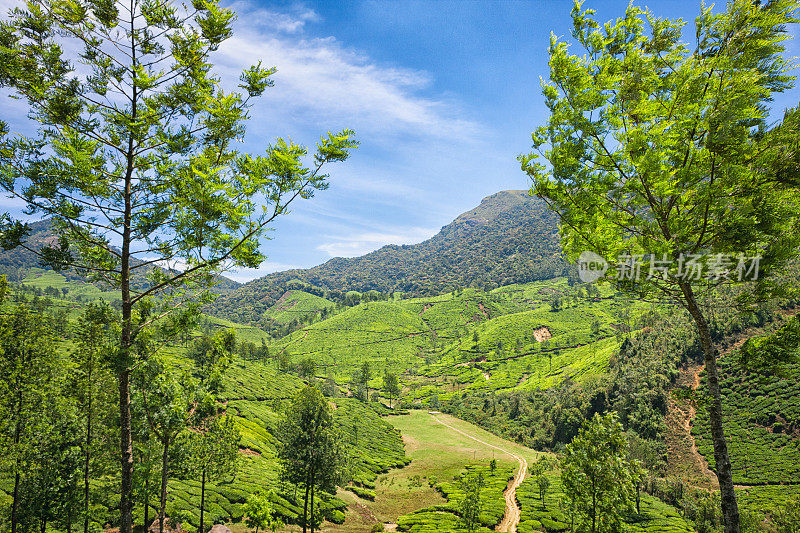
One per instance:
[(164, 476), (147, 501), (126, 447), (126, 439), (15, 504), (202, 499), (87, 451), (313, 519), (305, 510), (730, 509)]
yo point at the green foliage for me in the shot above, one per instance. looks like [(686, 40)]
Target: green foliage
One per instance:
[(40, 460), (542, 483), (255, 395), (374, 446), (469, 507), (310, 451), (136, 144), (787, 517), (361, 492), (597, 476), (212, 452), (260, 514), (550, 514), (465, 494), (643, 193), (391, 386), (659, 152), (762, 417)]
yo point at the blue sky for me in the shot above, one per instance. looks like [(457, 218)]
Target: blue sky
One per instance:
[(442, 95)]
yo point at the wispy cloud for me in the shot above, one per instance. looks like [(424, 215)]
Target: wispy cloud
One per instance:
[(292, 21), (321, 80), (361, 243)]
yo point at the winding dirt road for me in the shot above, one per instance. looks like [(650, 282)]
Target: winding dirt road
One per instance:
[(511, 517)]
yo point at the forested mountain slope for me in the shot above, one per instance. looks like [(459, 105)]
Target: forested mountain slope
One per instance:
[(509, 238)]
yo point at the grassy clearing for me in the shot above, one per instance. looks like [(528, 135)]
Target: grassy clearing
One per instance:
[(418, 493)]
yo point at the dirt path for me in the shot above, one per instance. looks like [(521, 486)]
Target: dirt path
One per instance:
[(511, 518), (684, 459)]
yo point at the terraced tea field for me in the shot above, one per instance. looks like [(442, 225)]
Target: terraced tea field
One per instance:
[(514, 337), (762, 424)]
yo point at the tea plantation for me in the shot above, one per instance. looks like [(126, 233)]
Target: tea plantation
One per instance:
[(762, 422)]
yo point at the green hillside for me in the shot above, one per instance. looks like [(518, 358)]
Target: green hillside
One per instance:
[(527, 361), (296, 305), (253, 393), (39, 278), (522, 343), (762, 423)]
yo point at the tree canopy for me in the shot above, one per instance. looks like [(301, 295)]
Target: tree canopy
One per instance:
[(660, 159)]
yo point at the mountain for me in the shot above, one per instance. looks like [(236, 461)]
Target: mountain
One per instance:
[(510, 237)]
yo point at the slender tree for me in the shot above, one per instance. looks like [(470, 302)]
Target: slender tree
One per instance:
[(310, 451), (597, 475), (213, 452), (364, 377), (134, 159), (391, 386), (543, 483), (96, 334), (471, 505), (170, 402), (658, 157), (26, 362)]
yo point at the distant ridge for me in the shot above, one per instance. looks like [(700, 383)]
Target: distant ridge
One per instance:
[(510, 237), (15, 264)]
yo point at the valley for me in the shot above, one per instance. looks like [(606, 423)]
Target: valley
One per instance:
[(528, 362)]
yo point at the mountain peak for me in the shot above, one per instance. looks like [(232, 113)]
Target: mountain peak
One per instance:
[(494, 205)]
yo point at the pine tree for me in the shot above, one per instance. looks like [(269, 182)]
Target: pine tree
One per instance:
[(135, 158)]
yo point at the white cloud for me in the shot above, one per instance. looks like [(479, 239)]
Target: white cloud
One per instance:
[(269, 20), (357, 244), (319, 79)]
